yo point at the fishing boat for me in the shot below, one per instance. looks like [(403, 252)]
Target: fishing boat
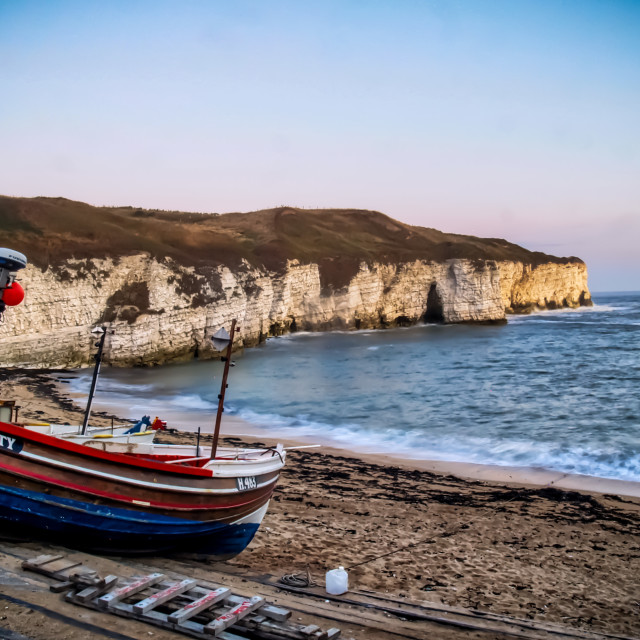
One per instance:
[(132, 504)]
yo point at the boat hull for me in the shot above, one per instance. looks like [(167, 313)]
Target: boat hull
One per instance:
[(109, 503), (124, 532)]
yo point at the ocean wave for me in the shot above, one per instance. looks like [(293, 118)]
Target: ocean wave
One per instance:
[(82, 383), (551, 313), (190, 402), (612, 462), (288, 337), (292, 336)]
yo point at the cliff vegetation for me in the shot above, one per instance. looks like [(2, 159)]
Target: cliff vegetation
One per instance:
[(52, 230)]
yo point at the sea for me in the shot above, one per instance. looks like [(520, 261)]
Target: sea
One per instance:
[(556, 390)]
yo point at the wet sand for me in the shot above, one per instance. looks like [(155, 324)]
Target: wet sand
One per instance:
[(536, 552)]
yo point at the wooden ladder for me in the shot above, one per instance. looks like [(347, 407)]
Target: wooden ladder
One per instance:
[(185, 606)]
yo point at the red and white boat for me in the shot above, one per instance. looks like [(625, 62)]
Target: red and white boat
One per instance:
[(143, 503)]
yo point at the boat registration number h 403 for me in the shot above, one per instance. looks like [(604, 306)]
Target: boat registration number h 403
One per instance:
[(246, 483)]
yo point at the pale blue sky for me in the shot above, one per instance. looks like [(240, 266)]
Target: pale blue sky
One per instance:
[(510, 118)]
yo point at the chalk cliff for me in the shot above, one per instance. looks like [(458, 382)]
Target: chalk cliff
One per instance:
[(162, 307)]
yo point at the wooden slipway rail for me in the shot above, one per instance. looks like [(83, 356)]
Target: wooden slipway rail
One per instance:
[(376, 611)]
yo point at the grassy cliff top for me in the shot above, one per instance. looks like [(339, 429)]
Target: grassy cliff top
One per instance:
[(51, 230)]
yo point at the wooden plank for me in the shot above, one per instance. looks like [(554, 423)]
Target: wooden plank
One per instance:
[(309, 629), (82, 573), (59, 587), (162, 596), (59, 566), (195, 607), (275, 613), (54, 567), (39, 561), (151, 616), (106, 584), (269, 610), (83, 576), (131, 589), (233, 615), (194, 629), (269, 628)]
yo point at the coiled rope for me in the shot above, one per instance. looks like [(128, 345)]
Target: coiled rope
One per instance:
[(300, 579)]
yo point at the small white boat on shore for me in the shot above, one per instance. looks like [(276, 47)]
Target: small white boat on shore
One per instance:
[(61, 430), (121, 438), (73, 433)]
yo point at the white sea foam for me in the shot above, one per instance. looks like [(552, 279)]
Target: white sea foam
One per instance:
[(551, 313), (82, 382), (290, 337), (190, 402), (416, 444)]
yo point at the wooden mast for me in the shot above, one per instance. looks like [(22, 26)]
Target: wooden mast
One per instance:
[(94, 380), (223, 388)]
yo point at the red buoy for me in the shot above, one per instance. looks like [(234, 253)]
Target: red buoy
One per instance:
[(13, 295)]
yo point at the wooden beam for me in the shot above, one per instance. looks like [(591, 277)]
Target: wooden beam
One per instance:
[(195, 607), (233, 615), (40, 560), (309, 629), (59, 587), (162, 596), (106, 584), (131, 589), (268, 610)]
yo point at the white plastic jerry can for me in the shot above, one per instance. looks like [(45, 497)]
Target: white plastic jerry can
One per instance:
[(337, 581)]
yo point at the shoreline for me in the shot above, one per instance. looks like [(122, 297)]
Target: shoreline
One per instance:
[(43, 388), (506, 475)]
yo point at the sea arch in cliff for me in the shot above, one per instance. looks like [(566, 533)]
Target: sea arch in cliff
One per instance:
[(434, 312)]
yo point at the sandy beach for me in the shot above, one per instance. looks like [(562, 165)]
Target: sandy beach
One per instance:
[(538, 547)]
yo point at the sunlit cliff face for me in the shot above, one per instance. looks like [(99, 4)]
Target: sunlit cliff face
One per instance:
[(159, 311)]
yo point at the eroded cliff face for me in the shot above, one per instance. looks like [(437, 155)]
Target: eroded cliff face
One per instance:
[(162, 311), (548, 286)]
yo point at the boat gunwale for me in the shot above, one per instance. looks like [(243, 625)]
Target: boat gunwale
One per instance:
[(83, 450)]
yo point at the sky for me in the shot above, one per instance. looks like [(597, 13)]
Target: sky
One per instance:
[(499, 118)]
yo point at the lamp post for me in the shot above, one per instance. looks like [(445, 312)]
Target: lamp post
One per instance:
[(98, 331), (222, 339)]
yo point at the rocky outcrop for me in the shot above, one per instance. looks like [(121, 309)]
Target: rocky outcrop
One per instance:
[(525, 288), (160, 310)]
